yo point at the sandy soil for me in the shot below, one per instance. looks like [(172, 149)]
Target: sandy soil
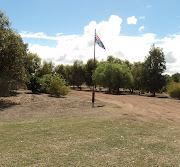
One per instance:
[(27, 105)]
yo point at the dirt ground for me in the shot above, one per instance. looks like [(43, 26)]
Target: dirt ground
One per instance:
[(27, 105)]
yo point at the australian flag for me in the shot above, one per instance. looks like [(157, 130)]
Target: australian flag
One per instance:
[(99, 42)]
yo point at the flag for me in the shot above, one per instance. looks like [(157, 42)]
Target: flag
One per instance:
[(99, 42)]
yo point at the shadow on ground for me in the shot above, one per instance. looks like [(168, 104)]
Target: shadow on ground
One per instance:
[(6, 104)]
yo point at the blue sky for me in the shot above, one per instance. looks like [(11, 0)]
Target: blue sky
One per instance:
[(62, 31)]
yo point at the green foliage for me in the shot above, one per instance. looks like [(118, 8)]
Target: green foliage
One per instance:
[(136, 72), (58, 89), (54, 84), (61, 69), (113, 76), (78, 73), (69, 75), (89, 69), (32, 63), (176, 77), (47, 68), (12, 54), (34, 84), (174, 90), (112, 59), (153, 68)]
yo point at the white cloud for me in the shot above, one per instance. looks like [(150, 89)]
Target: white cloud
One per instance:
[(132, 48), (141, 28), (131, 20)]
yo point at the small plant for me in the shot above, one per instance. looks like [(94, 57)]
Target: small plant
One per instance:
[(174, 90)]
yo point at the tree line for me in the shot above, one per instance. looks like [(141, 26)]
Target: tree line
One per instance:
[(21, 68)]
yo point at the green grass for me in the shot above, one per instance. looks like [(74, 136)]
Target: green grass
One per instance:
[(78, 141)]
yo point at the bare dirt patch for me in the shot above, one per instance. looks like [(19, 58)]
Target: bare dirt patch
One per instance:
[(28, 105)]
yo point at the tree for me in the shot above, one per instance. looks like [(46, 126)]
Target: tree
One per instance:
[(78, 73), (136, 71), (47, 68), (154, 66), (12, 54), (113, 76), (176, 77), (111, 59), (69, 75), (89, 69), (60, 69), (32, 63)]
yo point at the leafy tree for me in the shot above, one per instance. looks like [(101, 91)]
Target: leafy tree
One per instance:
[(61, 69), (136, 71), (176, 77), (12, 54), (69, 75), (89, 69), (47, 68), (113, 76), (32, 63), (78, 73), (127, 63), (153, 68), (112, 59)]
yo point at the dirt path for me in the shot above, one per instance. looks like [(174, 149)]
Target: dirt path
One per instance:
[(141, 105), (28, 105)]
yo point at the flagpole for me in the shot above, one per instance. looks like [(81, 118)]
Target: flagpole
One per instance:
[(93, 92)]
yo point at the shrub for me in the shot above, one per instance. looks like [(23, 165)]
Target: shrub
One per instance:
[(58, 89), (174, 90), (34, 84), (54, 84)]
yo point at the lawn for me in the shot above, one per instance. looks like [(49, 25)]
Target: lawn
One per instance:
[(88, 139)]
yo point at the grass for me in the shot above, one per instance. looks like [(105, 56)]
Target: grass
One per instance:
[(89, 141)]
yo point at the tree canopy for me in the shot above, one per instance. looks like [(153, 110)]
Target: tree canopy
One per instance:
[(113, 76), (154, 66), (12, 54)]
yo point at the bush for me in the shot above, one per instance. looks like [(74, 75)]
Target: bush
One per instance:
[(174, 90), (57, 89), (34, 84), (54, 84)]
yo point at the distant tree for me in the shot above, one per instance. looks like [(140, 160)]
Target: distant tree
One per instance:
[(176, 77), (78, 73), (69, 75), (47, 68), (168, 81), (89, 69), (136, 71), (12, 54), (154, 66), (32, 63), (113, 76), (112, 59), (61, 69), (127, 63)]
